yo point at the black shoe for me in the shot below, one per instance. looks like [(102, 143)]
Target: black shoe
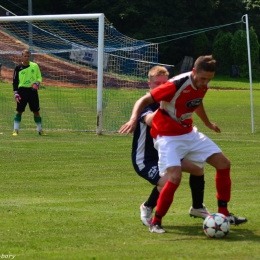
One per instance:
[(233, 220), (41, 133)]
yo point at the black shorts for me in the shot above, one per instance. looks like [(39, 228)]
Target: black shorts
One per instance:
[(28, 96), (150, 172)]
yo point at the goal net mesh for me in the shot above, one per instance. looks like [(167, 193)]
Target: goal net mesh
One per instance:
[(67, 51)]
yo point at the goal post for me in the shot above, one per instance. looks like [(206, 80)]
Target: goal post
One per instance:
[(100, 17), (92, 74), (100, 72)]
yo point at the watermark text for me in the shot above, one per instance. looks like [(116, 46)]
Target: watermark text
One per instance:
[(9, 256)]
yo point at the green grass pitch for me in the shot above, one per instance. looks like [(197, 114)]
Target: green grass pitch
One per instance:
[(75, 195)]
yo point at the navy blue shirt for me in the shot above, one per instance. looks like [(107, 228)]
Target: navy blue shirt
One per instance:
[(143, 150)]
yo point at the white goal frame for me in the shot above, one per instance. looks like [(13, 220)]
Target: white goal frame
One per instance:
[(100, 17)]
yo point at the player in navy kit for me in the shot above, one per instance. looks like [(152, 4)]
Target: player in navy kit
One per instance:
[(175, 137), (145, 158)]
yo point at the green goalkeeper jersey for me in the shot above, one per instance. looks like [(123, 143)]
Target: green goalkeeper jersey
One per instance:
[(25, 76)]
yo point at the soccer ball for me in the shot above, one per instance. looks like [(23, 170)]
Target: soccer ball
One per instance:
[(216, 225)]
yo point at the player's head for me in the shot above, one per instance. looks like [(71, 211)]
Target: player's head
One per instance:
[(157, 76), (26, 55), (203, 71)]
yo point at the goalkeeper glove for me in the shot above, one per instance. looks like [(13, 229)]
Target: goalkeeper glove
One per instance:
[(17, 97), (36, 86)]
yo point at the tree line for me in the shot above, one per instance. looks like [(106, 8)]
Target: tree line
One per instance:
[(165, 22)]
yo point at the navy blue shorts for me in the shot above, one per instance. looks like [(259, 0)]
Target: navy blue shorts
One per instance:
[(150, 172)]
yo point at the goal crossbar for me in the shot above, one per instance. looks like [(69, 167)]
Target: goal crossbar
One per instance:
[(50, 17)]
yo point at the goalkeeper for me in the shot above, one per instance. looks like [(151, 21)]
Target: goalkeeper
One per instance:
[(26, 82)]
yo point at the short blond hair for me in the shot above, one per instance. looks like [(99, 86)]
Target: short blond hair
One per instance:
[(158, 71)]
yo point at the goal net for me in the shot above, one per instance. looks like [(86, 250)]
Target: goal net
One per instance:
[(85, 85)]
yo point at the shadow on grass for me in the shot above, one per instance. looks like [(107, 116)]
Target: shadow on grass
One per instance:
[(237, 233)]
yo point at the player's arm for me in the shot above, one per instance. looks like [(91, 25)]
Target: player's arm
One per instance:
[(36, 84), (17, 97), (15, 80), (38, 75), (140, 104), (149, 118), (200, 111)]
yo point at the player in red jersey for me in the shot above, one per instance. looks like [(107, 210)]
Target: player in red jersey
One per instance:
[(145, 158), (176, 138)]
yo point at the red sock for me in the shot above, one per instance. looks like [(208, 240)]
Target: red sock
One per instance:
[(223, 185), (164, 201)]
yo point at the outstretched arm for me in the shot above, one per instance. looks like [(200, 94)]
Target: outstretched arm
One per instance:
[(140, 104), (200, 111)]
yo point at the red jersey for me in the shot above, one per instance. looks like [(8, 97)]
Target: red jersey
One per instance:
[(178, 99)]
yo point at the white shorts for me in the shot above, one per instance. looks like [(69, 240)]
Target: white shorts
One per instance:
[(194, 146)]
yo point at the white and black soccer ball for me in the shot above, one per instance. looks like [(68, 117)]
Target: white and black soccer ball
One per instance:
[(216, 225)]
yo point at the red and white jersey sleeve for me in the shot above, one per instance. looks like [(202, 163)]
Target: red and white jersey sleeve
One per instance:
[(178, 99)]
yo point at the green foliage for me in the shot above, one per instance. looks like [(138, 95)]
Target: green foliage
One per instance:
[(252, 9), (254, 47), (136, 17), (251, 4), (222, 52), (239, 51), (146, 19), (201, 45)]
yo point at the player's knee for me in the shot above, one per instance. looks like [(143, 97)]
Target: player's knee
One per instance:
[(162, 182), (219, 161), (224, 162), (174, 174), (227, 163)]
